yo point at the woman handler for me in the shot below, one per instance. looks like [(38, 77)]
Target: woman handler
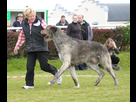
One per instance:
[(34, 45)]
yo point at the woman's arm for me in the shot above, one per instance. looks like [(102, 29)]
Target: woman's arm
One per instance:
[(43, 23), (21, 40), (115, 48)]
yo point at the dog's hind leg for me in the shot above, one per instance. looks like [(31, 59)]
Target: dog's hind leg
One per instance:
[(106, 63), (97, 69), (74, 76), (111, 72), (59, 73)]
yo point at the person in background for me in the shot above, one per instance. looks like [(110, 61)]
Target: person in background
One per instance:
[(63, 22), (35, 46), (74, 29), (85, 28), (18, 22), (112, 48), (86, 31)]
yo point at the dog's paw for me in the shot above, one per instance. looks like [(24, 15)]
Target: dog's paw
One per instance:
[(49, 83), (78, 86)]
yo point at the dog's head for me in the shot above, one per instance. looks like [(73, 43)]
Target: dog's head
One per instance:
[(48, 32)]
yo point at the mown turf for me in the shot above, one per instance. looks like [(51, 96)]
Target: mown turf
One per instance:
[(105, 91)]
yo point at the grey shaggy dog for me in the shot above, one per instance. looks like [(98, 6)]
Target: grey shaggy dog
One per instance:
[(73, 52)]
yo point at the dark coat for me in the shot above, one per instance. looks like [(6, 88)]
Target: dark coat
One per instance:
[(34, 38), (59, 24), (86, 31), (17, 24), (74, 30)]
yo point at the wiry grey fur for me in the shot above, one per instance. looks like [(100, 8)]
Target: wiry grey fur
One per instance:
[(72, 52)]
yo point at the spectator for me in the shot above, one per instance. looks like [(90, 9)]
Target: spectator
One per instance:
[(18, 22), (86, 32), (62, 22), (74, 29), (85, 28), (112, 48), (35, 46)]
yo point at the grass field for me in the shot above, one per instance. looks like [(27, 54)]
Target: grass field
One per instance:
[(105, 91)]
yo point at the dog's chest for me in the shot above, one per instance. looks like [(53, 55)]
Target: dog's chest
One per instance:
[(60, 56)]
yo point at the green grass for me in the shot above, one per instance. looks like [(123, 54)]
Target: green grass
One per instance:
[(105, 91)]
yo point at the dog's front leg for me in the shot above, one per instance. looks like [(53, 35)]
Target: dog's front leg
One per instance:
[(59, 73), (74, 76)]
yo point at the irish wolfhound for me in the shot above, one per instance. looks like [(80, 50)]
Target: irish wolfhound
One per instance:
[(73, 52)]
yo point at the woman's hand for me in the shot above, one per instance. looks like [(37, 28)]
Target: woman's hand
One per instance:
[(111, 54), (15, 51), (113, 43)]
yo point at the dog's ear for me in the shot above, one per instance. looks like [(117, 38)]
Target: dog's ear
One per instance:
[(53, 29)]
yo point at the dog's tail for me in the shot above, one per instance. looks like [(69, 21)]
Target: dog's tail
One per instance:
[(116, 67)]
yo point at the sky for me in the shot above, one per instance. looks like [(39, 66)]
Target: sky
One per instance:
[(70, 5)]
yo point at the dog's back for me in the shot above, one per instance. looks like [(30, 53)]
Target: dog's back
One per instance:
[(82, 51)]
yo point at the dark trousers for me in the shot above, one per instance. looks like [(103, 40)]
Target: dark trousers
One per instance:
[(31, 60), (115, 60), (82, 66)]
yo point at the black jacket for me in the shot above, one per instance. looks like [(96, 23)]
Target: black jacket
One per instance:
[(34, 39), (86, 31), (59, 24), (17, 24), (74, 30)]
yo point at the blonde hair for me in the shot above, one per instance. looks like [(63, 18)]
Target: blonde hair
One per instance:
[(28, 11), (74, 15), (108, 41)]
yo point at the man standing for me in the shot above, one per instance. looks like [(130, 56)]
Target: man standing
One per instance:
[(85, 28), (62, 22), (86, 32), (18, 22)]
